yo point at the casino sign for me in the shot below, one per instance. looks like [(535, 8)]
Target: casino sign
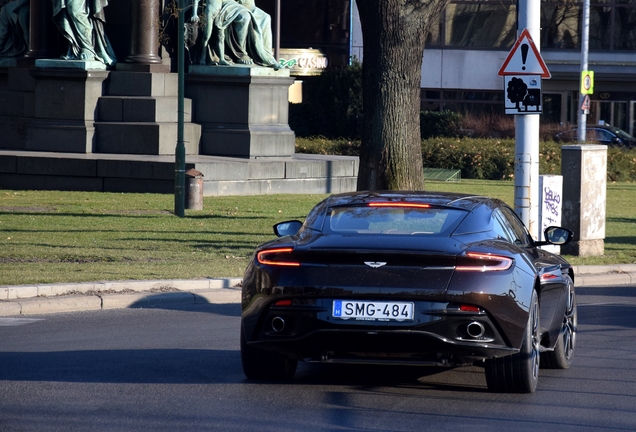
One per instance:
[(303, 62)]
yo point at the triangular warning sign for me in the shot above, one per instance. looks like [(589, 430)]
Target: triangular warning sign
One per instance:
[(524, 59)]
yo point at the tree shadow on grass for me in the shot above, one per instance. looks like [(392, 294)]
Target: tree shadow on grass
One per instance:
[(621, 220), (128, 214)]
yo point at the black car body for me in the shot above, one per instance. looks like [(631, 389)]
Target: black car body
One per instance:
[(410, 278), (600, 134)]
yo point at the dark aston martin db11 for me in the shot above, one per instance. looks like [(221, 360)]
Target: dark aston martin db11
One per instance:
[(411, 278)]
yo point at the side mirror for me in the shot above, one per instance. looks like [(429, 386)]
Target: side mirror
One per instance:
[(286, 228), (557, 235)]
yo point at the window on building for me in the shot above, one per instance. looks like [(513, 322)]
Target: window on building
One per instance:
[(560, 25), (493, 24), (612, 25), (625, 27), (551, 107), (475, 102), (434, 36), (472, 24)]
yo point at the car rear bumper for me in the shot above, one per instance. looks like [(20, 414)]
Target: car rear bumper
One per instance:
[(383, 347), (437, 335)]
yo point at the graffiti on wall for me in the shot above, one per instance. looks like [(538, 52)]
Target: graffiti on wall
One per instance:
[(550, 210), (551, 205)]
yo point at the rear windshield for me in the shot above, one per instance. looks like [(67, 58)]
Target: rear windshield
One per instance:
[(393, 220), (621, 133)]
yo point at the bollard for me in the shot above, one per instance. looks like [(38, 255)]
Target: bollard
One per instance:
[(194, 190)]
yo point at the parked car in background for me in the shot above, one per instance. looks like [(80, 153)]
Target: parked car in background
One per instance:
[(599, 134), (410, 278)]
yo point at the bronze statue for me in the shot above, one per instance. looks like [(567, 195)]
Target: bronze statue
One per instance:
[(82, 24), (234, 31), (14, 29)]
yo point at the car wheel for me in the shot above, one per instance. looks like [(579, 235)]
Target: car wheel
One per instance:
[(561, 357), (267, 365), (518, 373)]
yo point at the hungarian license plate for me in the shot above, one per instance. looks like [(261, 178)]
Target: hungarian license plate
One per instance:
[(372, 310)]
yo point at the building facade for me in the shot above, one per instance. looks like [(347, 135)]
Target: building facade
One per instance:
[(465, 51)]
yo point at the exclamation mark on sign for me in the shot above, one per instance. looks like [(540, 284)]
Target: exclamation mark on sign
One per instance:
[(524, 55)]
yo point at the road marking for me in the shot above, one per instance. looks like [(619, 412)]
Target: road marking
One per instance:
[(607, 303), (11, 322)]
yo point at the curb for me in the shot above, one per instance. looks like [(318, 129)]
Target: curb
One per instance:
[(57, 298), (69, 297), (604, 275)]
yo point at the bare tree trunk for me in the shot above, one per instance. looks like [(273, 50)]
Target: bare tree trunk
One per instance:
[(394, 34)]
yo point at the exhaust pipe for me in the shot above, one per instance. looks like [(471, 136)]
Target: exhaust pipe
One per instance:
[(475, 329), (278, 324)]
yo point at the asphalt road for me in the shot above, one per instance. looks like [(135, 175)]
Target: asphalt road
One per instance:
[(179, 369)]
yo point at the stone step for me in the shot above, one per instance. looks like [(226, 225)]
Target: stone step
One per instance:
[(144, 138), (155, 84), (160, 109), (307, 174)]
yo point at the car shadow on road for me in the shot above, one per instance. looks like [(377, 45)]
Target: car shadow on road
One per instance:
[(372, 376), (157, 366), (200, 366), (186, 301)]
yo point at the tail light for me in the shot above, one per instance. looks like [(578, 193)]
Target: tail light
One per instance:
[(281, 303), (550, 276), (277, 257), (467, 308), (479, 262), (398, 204)]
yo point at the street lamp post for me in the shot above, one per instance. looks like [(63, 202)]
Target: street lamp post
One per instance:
[(179, 171), (277, 31)]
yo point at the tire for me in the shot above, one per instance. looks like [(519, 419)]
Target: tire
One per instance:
[(561, 357), (518, 373), (265, 365)]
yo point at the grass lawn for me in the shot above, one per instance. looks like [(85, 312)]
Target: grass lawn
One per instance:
[(50, 236)]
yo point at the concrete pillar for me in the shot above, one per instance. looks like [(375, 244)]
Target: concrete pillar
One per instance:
[(584, 170), (144, 39), (43, 33)]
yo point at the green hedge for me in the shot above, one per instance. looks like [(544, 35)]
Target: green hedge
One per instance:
[(485, 159), (326, 146), (621, 165), (440, 124), (480, 158)]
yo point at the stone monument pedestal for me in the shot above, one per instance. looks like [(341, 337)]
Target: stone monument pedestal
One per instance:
[(65, 99), (243, 110), (584, 170)]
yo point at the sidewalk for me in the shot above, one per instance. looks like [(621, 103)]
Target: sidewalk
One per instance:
[(54, 298)]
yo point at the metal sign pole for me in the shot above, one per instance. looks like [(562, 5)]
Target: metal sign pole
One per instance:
[(585, 37), (527, 135), (179, 171), (277, 31)]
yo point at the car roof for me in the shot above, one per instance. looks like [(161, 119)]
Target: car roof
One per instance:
[(446, 199), (624, 136), (595, 126)]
